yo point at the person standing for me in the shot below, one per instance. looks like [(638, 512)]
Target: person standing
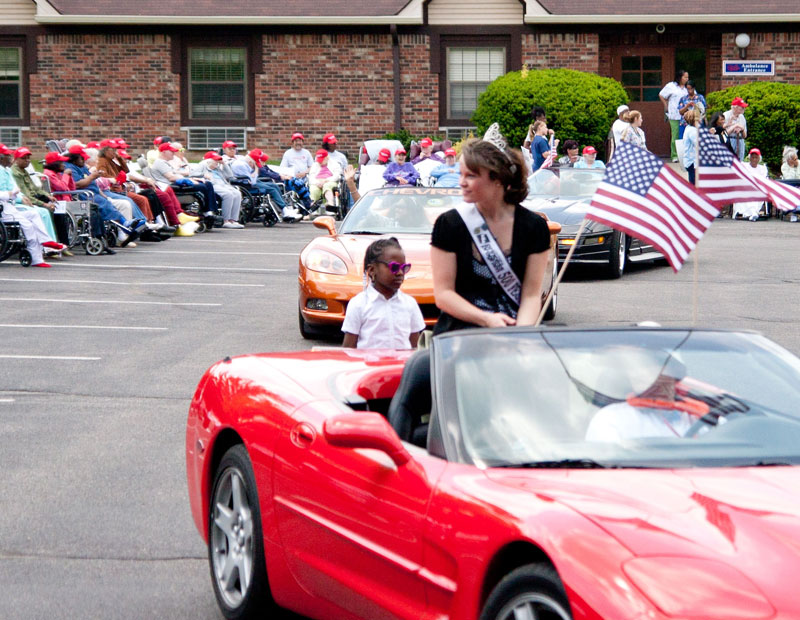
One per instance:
[(634, 133), (690, 137), (540, 147), (621, 124), (736, 126), (692, 100), (670, 96)]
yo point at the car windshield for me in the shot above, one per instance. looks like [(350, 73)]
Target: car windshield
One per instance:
[(564, 182), (622, 398), (399, 210)]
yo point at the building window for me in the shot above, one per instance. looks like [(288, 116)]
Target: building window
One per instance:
[(469, 72), (210, 138), (11, 83), (217, 83)]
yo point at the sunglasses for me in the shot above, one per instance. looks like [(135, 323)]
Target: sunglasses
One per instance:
[(396, 267)]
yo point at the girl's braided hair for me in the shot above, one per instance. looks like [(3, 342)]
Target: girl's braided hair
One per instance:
[(376, 248)]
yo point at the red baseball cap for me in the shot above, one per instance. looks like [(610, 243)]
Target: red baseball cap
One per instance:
[(92, 145), (22, 152), (229, 144), (77, 149), (400, 149), (258, 155), (321, 154), (124, 154), (739, 101), (157, 141), (756, 151), (213, 155), (52, 157), (122, 177), (297, 136), (121, 144), (589, 150), (4, 150), (384, 155), (109, 143), (426, 142), (450, 153), (329, 139), (167, 146)]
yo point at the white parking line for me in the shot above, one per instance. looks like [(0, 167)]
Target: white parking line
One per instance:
[(261, 243), (6, 400), (172, 267), (217, 253), (107, 301), (49, 357), (54, 326), (115, 283)]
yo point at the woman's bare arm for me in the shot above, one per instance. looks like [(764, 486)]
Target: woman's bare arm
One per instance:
[(531, 300)]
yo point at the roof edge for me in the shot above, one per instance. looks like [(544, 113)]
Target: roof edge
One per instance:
[(662, 19), (231, 20)]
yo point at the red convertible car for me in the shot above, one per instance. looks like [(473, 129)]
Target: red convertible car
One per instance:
[(510, 474)]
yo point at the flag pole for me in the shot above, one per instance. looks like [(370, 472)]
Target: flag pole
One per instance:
[(695, 267), (561, 271)]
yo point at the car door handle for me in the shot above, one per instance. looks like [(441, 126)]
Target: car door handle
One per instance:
[(303, 434)]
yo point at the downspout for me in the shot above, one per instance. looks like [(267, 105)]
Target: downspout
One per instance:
[(398, 111)]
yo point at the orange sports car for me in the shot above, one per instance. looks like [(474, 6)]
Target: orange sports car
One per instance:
[(331, 270)]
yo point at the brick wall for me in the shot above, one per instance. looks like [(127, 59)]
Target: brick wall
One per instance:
[(100, 85), (419, 88), (782, 47), (544, 50)]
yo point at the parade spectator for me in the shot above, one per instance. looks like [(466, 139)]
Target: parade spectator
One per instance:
[(382, 316), (164, 172), (36, 236), (621, 124), (58, 176), (108, 168), (716, 126), (448, 174), (493, 184), (589, 159), (670, 95), (790, 168), (384, 155), (329, 143), (249, 167), (540, 147), (690, 138), (400, 172), (300, 161), (736, 126), (537, 114), (572, 154), (634, 133), (164, 204), (426, 152), (350, 179), (323, 178), (209, 169), (751, 209), (691, 100)]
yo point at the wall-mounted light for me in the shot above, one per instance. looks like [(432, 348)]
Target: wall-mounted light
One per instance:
[(742, 41)]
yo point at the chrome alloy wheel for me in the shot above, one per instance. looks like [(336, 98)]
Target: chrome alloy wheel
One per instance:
[(232, 550), (533, 606)]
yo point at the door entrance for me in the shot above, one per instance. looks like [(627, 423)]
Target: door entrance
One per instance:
[(644, 71)]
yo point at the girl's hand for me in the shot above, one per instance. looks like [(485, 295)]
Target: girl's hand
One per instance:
[(498, 319)]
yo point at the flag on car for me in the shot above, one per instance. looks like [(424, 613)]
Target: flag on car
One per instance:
[(642, 197), (724, 179), (551, 155)]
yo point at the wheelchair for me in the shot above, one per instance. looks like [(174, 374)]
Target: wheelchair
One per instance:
[(12, 241), (341, 201), (256, 206)]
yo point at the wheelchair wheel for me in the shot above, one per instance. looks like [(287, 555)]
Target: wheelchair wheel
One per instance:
[(94, 246), (272, 214), (25, 258), (73, 235), (201, 226), (5, 246)]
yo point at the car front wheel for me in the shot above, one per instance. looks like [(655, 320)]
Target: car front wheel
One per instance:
[(618, 254), (235, 543), (532, 591)]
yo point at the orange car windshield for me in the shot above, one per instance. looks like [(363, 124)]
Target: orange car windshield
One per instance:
[(403, 210)]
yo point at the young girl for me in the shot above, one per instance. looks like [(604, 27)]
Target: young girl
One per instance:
[(382, 316)]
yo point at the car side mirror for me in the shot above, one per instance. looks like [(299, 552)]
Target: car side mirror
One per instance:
[(365, 430), (326, 222)]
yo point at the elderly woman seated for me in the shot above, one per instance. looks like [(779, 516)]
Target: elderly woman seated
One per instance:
[(790, 169), (750, 210)]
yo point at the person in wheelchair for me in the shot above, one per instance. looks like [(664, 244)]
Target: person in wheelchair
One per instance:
[(164, 172), (329, 142), (400, 172), (299, 159), (37, 196), (426, 152), (448, 174), (8, 184), (249, 168), (210, 169), (32, 226), (323, 179)]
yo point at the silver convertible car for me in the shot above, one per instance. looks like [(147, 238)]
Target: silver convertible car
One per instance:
[(563, 194)]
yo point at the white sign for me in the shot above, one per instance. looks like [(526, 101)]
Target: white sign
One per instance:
[(748, 67)]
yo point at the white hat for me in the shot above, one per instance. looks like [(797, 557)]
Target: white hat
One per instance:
[(621, 109)]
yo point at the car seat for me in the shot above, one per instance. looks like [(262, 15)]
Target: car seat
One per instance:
[(409, 411)]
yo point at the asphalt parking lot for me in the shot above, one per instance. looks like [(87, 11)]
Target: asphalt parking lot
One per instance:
[(99, 358)]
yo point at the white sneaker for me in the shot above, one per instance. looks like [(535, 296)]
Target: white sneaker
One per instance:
[(232, 224), (154, 225), (291, 215)]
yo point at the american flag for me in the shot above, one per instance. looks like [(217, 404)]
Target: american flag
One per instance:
[(724, 179), (648, 200), (551, 156)]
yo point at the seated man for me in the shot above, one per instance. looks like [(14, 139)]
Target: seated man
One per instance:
[(248, 167), (426, 152), (448, 174), (299, 159), (400, 172), (589, 159), (164, 172), (32, 226), (8, 184), (210, 170)]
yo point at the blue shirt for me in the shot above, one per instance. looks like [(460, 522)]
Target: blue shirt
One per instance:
[(699, 104), (79, 172), (539, 150), (447, 176), (581, 163), (7, 183), (689, 146), (407, 171)]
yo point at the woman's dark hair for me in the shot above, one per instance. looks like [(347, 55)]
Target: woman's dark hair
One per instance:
[(328, 147), (538, 112), (678, 75), (74, 157), (55, 166), (375, 250), (690, 83), (571, 144), (507, 167), (715, 119)]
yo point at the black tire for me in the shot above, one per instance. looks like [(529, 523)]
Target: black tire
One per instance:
[(305, 332), (5, 246), (239, 512), (618, 255), (25, 258), (73, 235), (535, 586), (550, 313)]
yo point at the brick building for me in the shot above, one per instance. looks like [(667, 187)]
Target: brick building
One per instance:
[(261, 68)]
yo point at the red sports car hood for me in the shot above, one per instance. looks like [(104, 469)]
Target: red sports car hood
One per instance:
[(748, 516)]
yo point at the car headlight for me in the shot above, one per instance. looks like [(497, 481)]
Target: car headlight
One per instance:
[(697, 588), (325, 262)]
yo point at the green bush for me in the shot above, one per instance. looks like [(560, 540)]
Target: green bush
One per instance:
[(580, 106), (773, 116)]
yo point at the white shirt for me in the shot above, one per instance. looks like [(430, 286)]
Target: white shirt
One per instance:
[(382, 323), (673, 93), (623, 421), (300, 160), (617, 128)]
